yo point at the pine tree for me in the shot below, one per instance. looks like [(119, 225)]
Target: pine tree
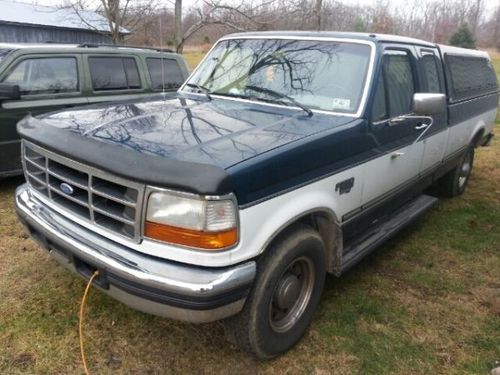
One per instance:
[(359, 25), (463, 37)]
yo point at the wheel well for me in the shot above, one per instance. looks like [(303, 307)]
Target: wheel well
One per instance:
[(477, 137), (326, 225)]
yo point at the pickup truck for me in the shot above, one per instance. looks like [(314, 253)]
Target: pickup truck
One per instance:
[(284, 157)]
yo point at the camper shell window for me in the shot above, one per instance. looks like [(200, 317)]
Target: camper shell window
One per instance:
[(470, 76)]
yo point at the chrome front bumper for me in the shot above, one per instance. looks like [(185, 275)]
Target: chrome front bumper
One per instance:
[(145, 283)]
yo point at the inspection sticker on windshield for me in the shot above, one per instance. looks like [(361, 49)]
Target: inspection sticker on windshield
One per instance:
[(339, 103)]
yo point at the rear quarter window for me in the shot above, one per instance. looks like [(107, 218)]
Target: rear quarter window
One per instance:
[(165, 73), (470, 76)]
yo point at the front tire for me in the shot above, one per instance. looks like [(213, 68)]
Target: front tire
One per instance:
[(289, 282), (455, 181)]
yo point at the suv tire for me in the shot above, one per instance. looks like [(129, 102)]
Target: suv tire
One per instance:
[(288, 286)]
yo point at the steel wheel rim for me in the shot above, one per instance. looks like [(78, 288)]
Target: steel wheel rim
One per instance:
[(291, 294), (464, 172)]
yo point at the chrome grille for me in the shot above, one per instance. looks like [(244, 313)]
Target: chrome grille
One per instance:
[(108, 201)]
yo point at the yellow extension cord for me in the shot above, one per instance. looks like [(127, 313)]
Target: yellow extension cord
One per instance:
[(80, 323)]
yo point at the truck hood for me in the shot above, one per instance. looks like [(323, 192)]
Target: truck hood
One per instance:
[(219, 132)]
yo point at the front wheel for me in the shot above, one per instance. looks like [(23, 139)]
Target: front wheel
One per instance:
[(288, 286)]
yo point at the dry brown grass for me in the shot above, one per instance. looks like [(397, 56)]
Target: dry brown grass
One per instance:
[(193, 57), (427, 302)]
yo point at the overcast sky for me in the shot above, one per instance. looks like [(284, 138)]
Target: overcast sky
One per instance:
[(489, 4)]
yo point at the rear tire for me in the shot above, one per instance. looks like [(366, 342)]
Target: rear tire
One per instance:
[(288, 286), (455, 181)]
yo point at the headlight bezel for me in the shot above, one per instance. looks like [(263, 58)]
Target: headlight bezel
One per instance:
[(199, 197)]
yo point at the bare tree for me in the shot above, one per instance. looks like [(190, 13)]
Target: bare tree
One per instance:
[(144, 24), (207, 20), (238, 17), (496, 20), (382, 21), (178, 34), (116, 12), (317, 10), (476, 15)]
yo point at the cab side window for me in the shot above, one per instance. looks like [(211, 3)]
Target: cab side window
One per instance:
[(399, 84), (431, 77), (395, 86), (45, 75)]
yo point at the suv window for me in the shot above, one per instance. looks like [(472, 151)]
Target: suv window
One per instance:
[(431, 73), (45, 75), (398, 82), (114, 73), (170, 77)]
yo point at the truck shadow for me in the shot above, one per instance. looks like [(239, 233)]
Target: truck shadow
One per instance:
[(11, 182)]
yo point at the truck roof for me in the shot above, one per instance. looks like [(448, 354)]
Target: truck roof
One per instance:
[(374, 37), (451, 50)]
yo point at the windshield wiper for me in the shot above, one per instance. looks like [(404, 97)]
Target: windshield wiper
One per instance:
[(201, 88), (279, 95)]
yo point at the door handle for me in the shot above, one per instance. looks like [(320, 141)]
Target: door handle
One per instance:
[(421, 126), (396, 154)]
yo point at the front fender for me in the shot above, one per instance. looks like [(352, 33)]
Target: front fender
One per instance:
[(263, 221)]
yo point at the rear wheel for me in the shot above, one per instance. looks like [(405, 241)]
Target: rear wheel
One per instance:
[(288, 286), (454, 182)]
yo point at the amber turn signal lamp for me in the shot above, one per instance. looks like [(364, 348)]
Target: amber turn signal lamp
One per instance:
[(189, 237)]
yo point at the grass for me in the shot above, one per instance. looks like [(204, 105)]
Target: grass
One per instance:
[(193, 58), (496, 63), (427, 302)]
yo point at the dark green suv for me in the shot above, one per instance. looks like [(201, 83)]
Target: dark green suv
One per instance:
[(39, 78)]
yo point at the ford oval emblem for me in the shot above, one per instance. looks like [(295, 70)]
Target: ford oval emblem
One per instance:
[(66, 188)]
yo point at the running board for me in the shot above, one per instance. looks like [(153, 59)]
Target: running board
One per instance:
[(385, 230)]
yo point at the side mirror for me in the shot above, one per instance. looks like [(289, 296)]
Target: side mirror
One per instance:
[(9, 92), (425, 104)]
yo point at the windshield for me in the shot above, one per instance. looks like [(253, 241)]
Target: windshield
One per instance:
[(322, 75)]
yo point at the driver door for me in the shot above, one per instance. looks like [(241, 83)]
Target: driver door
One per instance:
[(395, 135)]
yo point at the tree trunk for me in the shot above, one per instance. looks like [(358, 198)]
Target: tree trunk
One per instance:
[(497, 28), (476, 17), (114, 6), (317, 11), (178, 27)]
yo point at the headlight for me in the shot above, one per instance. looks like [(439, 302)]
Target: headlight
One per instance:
[(191, 220)]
